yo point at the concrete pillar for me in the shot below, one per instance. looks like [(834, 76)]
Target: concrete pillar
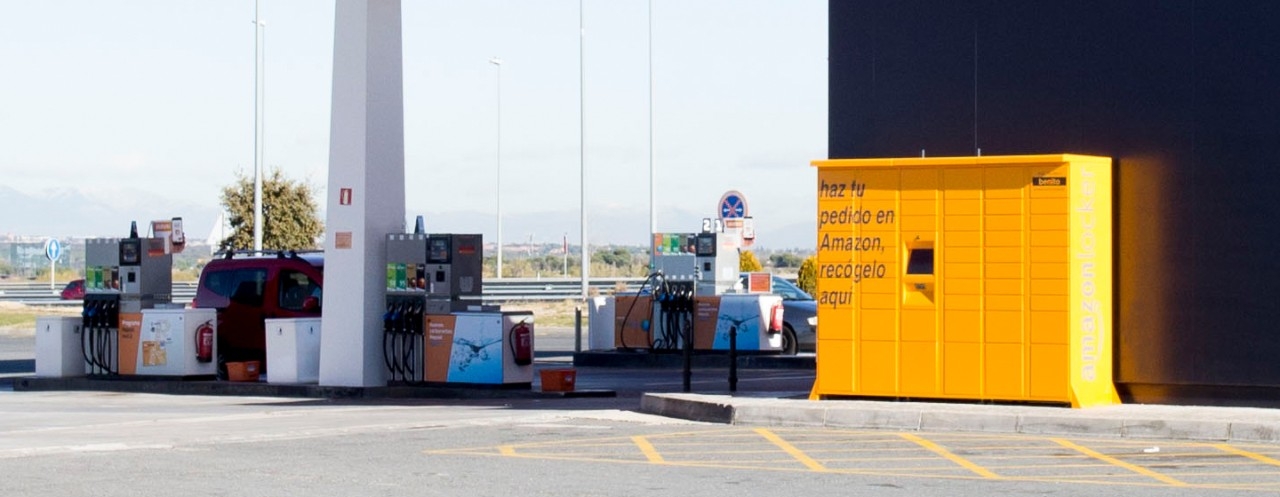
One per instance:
[(366, 188)]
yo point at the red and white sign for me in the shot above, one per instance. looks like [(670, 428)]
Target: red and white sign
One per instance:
[(344, 196)]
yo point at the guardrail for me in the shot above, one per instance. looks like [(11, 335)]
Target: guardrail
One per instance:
[(503, 290)]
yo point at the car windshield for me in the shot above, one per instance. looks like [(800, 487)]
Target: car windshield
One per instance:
[(242, 286), (789, 291)]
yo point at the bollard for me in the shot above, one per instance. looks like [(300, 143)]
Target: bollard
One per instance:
[(688, 359), (577, 328), (733, 359)]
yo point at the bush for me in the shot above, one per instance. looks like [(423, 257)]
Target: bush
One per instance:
[(808, 278), (747, 262)]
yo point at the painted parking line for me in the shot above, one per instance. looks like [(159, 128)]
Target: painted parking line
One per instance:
[(948, 455), (1116, 462), (647, 449), (786, 446), (1244, 453), (1105, 462)]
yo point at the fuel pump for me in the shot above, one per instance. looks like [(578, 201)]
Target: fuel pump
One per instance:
[(146, 281), (405, 302), (123, 276), (673, 256), (454, 276), (674, 317), (717, 264), (100, 313)]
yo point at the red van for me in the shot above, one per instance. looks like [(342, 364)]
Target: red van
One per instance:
[(248, 289)]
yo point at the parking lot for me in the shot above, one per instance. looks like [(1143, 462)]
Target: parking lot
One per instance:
[(1117, 463)]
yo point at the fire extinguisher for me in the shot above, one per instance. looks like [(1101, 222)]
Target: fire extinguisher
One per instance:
[(521, 340), (775, 319), (204, 342)]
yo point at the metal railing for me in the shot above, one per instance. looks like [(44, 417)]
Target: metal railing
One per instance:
[(504, 290)]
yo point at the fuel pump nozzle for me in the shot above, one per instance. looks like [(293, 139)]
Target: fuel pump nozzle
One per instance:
[(388, 337)]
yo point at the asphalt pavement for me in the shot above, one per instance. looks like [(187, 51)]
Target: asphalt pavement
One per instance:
[(778, 397)]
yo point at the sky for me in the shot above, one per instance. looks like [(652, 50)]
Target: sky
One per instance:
[(112, 111)]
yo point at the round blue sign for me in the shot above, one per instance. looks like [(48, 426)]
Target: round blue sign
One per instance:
[(733, 205), (52, 249)]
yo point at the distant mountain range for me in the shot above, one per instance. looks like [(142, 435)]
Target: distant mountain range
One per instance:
[(71, 212), (68, 212)]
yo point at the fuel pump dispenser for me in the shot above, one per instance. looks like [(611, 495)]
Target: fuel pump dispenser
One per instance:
[(674, 257), (406, 304), (454, 280), (717, 263), (123, 276), (436, 328), (101, 312), (695, 301)]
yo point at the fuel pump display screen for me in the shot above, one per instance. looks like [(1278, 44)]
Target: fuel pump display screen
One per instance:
[(438, 250), (131, 252), (706, 245)]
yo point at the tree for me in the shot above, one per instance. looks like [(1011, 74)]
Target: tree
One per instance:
[(785, 260), (747, 262), (807, 280), (289, 213), (618, 257)]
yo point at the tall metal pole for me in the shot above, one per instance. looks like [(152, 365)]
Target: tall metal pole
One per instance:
[(653, 206), (498, 187), (582, 140), (257, 127)]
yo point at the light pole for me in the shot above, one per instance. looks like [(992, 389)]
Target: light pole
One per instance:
[(653, 206), (498, 184), (582, 141), (258, 103)]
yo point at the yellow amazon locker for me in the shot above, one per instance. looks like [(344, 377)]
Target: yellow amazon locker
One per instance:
[(979, 278)]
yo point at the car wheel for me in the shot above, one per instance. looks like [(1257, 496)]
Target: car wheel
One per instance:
[(789, 344)]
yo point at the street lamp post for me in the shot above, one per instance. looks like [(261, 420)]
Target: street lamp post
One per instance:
[(258, 103), (497, 62), (653, 206), (582, 143)]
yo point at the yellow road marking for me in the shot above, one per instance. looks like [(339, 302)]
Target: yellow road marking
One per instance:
[(792, 450), (939, 450), (1131, 467), (799, 447), (648, 450), (1251, 455)]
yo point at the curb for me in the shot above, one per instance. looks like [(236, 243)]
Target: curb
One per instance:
[(259, 389), (591, 359), (1128, 421)]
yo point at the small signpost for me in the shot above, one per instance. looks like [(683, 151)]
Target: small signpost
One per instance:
[(735, 218), (52, 250)]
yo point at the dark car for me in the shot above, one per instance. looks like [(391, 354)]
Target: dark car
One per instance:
[(249, 289), (799, 316), (74, 290)]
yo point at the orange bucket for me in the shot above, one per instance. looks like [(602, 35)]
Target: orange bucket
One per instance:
[(558, 380), (242, 371)]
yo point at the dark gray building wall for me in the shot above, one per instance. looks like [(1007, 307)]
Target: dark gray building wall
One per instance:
[(1184, 95)]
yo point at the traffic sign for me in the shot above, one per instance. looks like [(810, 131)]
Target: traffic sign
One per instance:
[(52, 249), (733, 205)]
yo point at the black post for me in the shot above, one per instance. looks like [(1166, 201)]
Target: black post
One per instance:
[(688, 359), (733, 359), (577, 328)]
